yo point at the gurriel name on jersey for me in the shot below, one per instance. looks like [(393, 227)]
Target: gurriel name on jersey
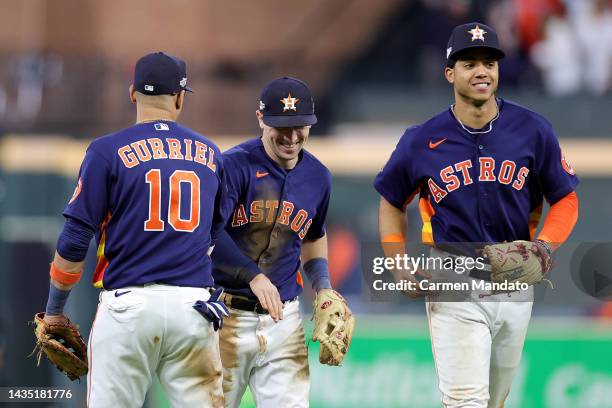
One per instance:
[(178, 149)]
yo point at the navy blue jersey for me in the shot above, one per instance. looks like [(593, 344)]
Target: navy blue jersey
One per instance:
[(273, 211), (486, 187), (153, 194)]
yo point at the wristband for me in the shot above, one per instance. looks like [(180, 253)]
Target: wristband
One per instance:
[(317, 271), (394, 238), (57, 300), (65, 278)]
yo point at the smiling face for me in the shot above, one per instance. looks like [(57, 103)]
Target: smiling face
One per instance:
[(475, 75), (283, 145)]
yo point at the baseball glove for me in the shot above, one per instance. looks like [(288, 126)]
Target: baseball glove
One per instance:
[(519, 261), (63, 345), (334, 324)]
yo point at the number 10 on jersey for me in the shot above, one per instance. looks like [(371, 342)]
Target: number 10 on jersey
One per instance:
[(155, 222)]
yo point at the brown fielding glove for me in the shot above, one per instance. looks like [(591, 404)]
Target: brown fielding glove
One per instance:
[(63, 345), (519, 261), (334, 324)]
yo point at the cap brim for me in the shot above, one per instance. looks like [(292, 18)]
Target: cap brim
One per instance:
[(188, 89), (290, 121), (456, 55)]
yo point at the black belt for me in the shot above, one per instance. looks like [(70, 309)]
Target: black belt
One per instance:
[(248, 305), (243, 304), (482, 274)]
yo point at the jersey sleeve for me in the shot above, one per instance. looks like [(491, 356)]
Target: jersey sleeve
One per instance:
[(397, 181), (89, 203), (220, 212), (317, 229), (234, 182), (555, 175), (228, 258)]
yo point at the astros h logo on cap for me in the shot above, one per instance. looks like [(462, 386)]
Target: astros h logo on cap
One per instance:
[(469, 36), (477, 33), (287, 102)]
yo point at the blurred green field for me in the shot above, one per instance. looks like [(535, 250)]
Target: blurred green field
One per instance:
[(567, 363)]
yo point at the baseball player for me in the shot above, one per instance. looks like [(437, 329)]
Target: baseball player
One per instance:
[(151, 194), (481, 169), (279, 194)]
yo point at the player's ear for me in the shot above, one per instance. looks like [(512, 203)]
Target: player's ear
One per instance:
[(132, 94), (449, 74), (259, 117), (180, 99)]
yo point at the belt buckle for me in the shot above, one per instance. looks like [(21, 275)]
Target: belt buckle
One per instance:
[(226, 298)]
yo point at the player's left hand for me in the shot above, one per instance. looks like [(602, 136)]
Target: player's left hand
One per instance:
[(334, 325), (519, 261), (62, 343), (213, 310), (55, 319)]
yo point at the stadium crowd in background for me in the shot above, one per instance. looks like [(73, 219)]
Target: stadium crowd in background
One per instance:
[(564, 46), (554, 47)]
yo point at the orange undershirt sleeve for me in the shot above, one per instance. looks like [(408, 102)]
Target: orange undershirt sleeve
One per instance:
[(560, 220), (394, 238)]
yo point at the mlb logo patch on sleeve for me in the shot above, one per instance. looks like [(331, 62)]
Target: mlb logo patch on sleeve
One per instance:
[(161, 126)]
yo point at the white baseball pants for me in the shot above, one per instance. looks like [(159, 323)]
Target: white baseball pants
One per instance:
[(271, 358), (477, 348), (142, 331)]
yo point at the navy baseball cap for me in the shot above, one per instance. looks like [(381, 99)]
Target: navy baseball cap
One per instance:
[(160, 74), (470, 36), (287, 102)]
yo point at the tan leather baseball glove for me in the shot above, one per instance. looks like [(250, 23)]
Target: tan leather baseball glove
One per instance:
[(334, 324), (63, 345), (519, 261)]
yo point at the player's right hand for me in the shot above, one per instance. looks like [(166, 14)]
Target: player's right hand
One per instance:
[(268, 296)]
